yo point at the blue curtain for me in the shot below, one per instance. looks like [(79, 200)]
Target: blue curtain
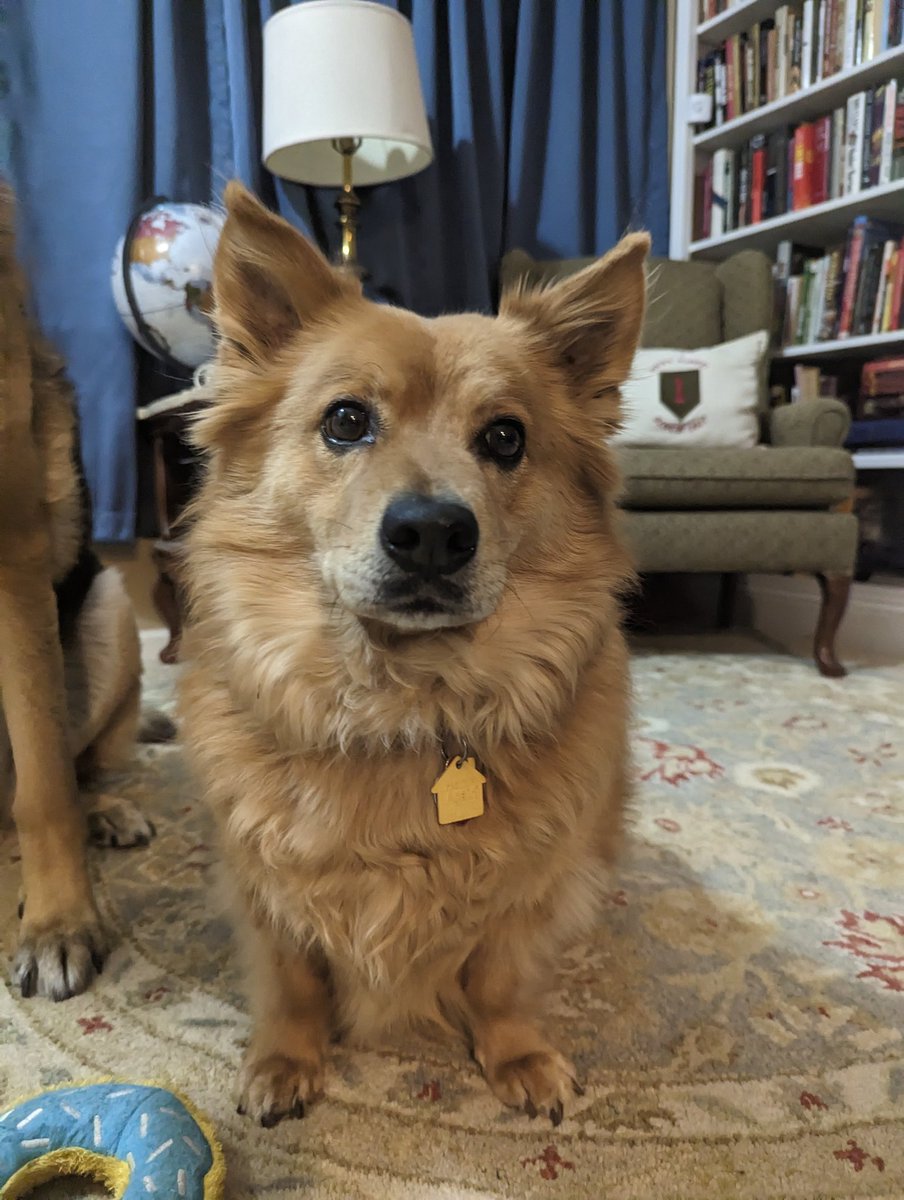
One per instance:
[(549, 122)]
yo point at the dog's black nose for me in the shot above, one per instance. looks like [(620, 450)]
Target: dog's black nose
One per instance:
[(428, 537)]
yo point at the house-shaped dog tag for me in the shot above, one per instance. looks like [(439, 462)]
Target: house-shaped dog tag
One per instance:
[(459, 792)]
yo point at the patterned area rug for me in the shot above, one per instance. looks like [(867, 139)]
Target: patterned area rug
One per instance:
[(738, 1017)]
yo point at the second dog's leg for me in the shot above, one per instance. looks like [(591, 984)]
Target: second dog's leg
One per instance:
[(520, 1064), (291, 1009), (61, 943)]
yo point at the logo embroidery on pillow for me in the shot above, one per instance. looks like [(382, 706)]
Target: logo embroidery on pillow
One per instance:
[(679, 392)]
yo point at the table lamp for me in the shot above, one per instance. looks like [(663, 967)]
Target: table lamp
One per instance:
[(342, 101)]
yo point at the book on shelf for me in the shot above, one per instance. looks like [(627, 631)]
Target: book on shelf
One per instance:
[(841, 291), (881, 394), (857, 146), (799, 45)]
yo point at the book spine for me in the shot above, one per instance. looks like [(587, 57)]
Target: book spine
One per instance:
[(721, 88), (781, 51), (867, 147), (853, 142), (819, 295), (879, 305), (897, 150), (795, 51), (898, 290), (707, 199), (876, 135), (806, 48), (828, 57), (822, 159), (867, 284), (851, 270), (838, 152), (886, 325), (781, 273), (858, 36), (758, 181), (804, 162), (820, 40), (718, 199), (830, 308), (803, 306), (743, 186), (750, 100), (780, 197), (836, 42), (756, 92), (771, 64), (730, 73), (868, 38), (849, 34), (890, 111), (730, 191)]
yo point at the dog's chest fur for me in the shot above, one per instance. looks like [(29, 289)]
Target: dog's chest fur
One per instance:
[(345, 853)]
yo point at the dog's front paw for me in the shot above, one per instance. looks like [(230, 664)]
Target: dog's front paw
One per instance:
[(540, 1081), (113, 821), (277, 1087), (60, 960)]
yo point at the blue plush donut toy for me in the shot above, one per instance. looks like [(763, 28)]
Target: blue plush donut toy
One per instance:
[(136, 1139)]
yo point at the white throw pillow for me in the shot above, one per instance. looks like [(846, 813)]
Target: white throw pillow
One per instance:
[(705, 397)]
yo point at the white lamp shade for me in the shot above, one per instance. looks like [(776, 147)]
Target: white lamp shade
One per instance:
[(342, 69)]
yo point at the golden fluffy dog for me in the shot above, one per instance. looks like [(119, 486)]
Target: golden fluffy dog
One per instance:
[(405, 555)]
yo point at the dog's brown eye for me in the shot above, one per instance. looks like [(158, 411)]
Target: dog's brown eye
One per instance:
[(346, 422), (503, 441)]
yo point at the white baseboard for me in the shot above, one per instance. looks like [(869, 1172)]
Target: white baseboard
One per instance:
[(784, 609)]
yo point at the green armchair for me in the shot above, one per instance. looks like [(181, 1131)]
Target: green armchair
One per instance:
[(782, 506)]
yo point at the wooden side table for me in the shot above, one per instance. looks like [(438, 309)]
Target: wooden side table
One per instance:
[(176, 472)]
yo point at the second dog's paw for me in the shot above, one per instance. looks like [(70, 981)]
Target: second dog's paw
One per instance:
[(113, 821), (59, 962), (277, 1087)]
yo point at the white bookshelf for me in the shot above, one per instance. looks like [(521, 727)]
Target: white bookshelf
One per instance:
[(820, 225), (855, 347), (878, 460)]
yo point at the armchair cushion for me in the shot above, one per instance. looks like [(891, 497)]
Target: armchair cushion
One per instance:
[(707, 478), (822, 422)]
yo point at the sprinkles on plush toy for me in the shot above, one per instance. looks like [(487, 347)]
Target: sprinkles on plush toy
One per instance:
[(137, 1139)]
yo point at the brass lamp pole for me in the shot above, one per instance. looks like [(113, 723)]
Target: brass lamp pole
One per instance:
[(348, 204)]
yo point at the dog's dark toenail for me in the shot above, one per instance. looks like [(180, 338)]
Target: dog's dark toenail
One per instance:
[(98, 962), (297, 1112), (578, 1090), (27, 983), (21, 909), (530, 1108), (241, 1110), (556, 1113), (269, 1119)]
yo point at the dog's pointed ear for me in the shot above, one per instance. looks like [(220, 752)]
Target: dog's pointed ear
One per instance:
[(590, 322), (269, 281)]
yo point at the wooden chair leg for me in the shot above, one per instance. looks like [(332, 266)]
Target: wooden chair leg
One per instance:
[(835, 591)]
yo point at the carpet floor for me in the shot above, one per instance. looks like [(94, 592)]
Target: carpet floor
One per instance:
[(738, 1018)]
